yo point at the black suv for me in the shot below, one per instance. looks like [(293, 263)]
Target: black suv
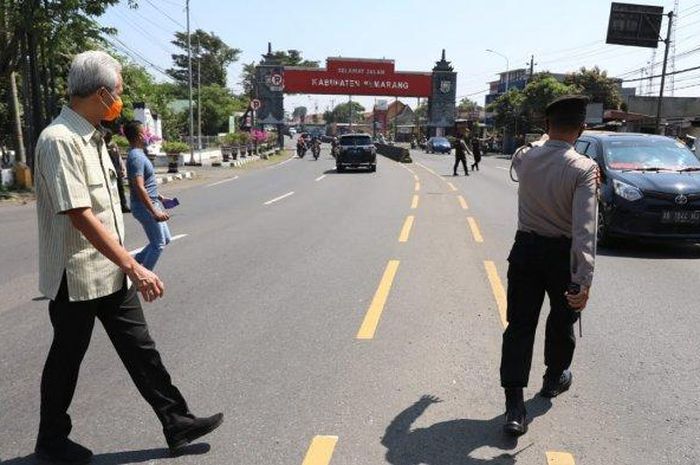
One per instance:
[(650, 186), (356, 150)]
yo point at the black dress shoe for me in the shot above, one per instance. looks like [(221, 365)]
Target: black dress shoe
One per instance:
[(516, 415), (554, 384), (194, 429), (126, 209), (65, 452)]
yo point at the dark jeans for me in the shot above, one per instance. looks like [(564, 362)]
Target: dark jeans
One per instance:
[(463, 160), (537, 265), (123, 320)]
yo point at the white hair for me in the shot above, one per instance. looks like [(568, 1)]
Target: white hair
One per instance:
[(91, 71)]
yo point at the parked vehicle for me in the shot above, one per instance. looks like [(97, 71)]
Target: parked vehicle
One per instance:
[(650, 186), (438, 145), (355, 150)]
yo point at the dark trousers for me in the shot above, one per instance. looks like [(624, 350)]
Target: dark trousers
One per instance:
[(538, 265), (116, 162), (461, 159), (123, 320), (122, 195)]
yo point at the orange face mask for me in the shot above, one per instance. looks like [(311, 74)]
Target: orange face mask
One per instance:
[(113, 110)]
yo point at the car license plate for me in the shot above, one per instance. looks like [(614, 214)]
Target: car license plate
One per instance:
[(681, 217)]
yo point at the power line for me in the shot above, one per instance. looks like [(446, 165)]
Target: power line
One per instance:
[(143, 31), (165, 14), (136, 55), (667, 74)]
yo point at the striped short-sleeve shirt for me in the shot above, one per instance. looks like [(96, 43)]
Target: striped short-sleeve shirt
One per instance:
[(73, 170)]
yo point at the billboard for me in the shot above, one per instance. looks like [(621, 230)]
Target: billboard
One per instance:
[(352, 76), (638, 25)]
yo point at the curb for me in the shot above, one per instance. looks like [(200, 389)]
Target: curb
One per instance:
[(168, 178)]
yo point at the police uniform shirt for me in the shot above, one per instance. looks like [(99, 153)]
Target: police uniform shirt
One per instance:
[(557, 197)]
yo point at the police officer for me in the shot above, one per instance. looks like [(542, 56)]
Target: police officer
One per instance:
[(553, 253), (460, 154)]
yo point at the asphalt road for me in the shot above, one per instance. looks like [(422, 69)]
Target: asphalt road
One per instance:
[(326, 314)]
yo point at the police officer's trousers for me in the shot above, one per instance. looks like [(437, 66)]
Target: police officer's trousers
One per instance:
[(538, 265)]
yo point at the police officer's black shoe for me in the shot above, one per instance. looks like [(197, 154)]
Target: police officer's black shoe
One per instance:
[(555, 384), (180, 436), (516, 415), (64, 452)]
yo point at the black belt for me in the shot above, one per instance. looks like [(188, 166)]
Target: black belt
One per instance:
[(533, 237)]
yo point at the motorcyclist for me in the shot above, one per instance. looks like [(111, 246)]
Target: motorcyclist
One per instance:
[(316, 146), (335, 146), (301, 147)]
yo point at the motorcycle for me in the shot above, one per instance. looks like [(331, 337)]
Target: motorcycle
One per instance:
[(301, 150), (316, 150)]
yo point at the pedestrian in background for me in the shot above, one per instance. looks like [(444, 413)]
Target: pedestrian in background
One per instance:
[(83, 267), (119, 167), (460, 155), (146, 203), (476, 153), (553, 253)]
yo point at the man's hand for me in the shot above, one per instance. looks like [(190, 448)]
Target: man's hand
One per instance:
[(147, 283), (161, 216), (578, 301)]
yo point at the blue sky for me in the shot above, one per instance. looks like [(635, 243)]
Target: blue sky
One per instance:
[(563, 35)]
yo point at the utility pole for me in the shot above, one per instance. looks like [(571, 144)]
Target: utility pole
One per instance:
[(532, 66), (199, 97), (396, 118), (350, 110), (663, 73), (189, 78)]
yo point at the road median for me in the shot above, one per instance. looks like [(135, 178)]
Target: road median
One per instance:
[(395, 153)]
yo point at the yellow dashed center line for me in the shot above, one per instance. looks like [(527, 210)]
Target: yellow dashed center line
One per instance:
[(406, 230), (320, 451), (462, 202), (414, 203), (559, 458), (417, 187), (452, 186), (374, 312), (498, 291), (475, 229)]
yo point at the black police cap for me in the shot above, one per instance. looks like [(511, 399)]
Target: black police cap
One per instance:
[(570, 105)]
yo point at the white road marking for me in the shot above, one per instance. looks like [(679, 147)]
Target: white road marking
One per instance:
[(320, 177), (502, 168), (172, 239), (277, 199), (221, 182)]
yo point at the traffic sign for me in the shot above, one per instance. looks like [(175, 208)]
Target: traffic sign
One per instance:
[(637, 25), (255, 104)]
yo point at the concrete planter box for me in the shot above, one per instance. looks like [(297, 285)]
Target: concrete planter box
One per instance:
[(7, 177)]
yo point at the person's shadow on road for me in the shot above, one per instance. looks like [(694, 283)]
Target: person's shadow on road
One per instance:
[(122, 458), (451, 442)]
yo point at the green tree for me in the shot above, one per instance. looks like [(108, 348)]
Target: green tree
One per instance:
[(341, 113), (467, 105), (218, 103), (539, 92), (209, 51), (509, 110), (48, 33), (300, 112), (598, 86)]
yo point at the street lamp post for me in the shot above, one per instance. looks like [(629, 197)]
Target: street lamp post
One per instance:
[(506, 91)]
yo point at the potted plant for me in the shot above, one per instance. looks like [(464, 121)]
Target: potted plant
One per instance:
[(243, 141), (173, 149)]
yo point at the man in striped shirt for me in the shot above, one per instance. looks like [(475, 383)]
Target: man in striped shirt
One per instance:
[(85, 270)]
